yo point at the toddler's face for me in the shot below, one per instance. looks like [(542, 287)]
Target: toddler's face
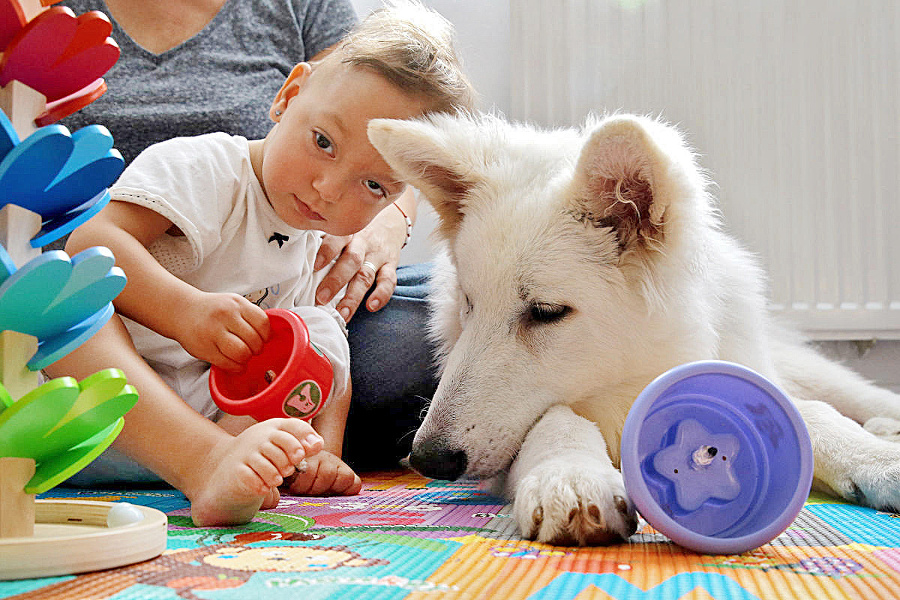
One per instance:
[(318, 169)]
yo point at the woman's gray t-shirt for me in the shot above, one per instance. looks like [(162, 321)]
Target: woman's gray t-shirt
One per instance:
[(222, 79)]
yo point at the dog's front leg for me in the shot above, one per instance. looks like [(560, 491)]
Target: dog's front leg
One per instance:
[(849, 461), (564, 487)]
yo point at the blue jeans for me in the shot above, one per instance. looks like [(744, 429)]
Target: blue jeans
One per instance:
[(393, 374)]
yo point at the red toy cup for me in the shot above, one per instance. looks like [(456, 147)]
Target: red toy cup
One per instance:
[(289, 378)]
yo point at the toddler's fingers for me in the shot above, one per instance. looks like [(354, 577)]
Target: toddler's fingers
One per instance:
[(223, 362), (248, 335), (258, 320), (234, 348), (346, 482)]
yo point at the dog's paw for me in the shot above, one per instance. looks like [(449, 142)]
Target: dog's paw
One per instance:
[(884, 427), (869, 477), (568, 505)]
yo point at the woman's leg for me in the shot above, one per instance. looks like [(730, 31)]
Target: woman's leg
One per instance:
[(391, 364)]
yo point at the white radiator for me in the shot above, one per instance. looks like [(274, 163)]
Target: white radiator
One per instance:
[(794, 107)]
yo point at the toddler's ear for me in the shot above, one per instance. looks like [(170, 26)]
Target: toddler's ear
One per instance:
[(291, 86)]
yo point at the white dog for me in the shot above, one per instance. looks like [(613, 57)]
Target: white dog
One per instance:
[(580, 265)]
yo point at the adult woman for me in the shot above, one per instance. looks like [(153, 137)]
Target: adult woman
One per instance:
[(195, 66)]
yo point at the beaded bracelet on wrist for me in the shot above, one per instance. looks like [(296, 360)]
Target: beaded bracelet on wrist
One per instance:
[(408, 226)]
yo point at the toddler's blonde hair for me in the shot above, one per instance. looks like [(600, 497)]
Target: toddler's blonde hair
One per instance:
[(412, 47)]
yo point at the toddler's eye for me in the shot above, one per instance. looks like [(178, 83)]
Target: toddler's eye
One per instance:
[(375, 187), (324, 143)]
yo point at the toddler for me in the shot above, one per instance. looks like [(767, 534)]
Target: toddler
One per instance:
[(213, 229)]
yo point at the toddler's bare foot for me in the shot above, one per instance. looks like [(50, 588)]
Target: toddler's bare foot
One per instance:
[(243, 473), (325, 475)]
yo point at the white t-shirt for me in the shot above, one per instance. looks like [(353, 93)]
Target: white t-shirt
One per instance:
[(233, 241)]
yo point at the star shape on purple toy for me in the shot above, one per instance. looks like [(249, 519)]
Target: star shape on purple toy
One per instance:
[(699, 464)]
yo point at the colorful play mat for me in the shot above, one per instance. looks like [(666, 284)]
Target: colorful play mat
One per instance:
[(409, 537)]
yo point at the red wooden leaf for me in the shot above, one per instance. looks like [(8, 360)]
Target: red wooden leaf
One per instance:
[(12, 19), (58, 54)]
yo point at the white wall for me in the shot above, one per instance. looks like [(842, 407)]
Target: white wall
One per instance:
[(482, 28), (483, 38)]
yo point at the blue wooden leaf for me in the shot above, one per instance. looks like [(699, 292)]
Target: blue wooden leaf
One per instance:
[(57, 227), (89, 142), (29, 291), (9, 139), (7, 266), (53, 296), (52, 172), (51, 350), (27, 169), (93, 165)]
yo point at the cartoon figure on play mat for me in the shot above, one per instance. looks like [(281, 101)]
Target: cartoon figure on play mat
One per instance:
[(304, 400), (210, 568), (295, 559)]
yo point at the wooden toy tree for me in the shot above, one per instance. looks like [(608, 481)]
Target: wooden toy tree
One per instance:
[(51, 181)]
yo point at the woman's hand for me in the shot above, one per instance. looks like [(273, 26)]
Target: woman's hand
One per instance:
[(368, 257)]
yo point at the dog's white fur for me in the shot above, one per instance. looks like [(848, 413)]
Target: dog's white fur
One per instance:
[(580, 265)]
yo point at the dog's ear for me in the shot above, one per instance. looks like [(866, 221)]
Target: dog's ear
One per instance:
[(419, 151), (619, 181)]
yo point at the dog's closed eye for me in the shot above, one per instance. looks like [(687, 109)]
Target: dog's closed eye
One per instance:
[(543, 313)]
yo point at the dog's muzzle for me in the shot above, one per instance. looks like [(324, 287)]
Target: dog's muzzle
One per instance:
[(437, 459)]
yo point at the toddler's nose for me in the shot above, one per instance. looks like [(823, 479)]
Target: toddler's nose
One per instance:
[(327, 189)]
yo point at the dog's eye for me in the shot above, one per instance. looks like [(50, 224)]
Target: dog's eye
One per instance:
[(548, 313)]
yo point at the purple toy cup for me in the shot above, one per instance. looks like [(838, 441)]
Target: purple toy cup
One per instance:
[(716, 457)]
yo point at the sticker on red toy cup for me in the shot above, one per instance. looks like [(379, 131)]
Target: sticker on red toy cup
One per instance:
[(304, 401)]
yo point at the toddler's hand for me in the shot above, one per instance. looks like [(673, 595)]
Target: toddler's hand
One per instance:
[(222, 329)]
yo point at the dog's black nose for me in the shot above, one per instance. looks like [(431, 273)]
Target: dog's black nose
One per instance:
[(438, 460)]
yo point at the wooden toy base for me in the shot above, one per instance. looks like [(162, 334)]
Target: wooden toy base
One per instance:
[(71, 536)]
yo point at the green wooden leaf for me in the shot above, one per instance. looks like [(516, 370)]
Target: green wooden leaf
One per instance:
[(56, 469), (24, 424)]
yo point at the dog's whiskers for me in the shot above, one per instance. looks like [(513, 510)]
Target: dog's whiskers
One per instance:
[(407, 434)]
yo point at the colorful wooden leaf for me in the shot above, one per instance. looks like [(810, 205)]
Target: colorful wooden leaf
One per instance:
[(60, 301), (64, 424), (27, 169), (62, 108), (51, 350), (52, 171), (105, 396), (23, 424), (55, 470), (57, 227), (12, 19), (57, 53)]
